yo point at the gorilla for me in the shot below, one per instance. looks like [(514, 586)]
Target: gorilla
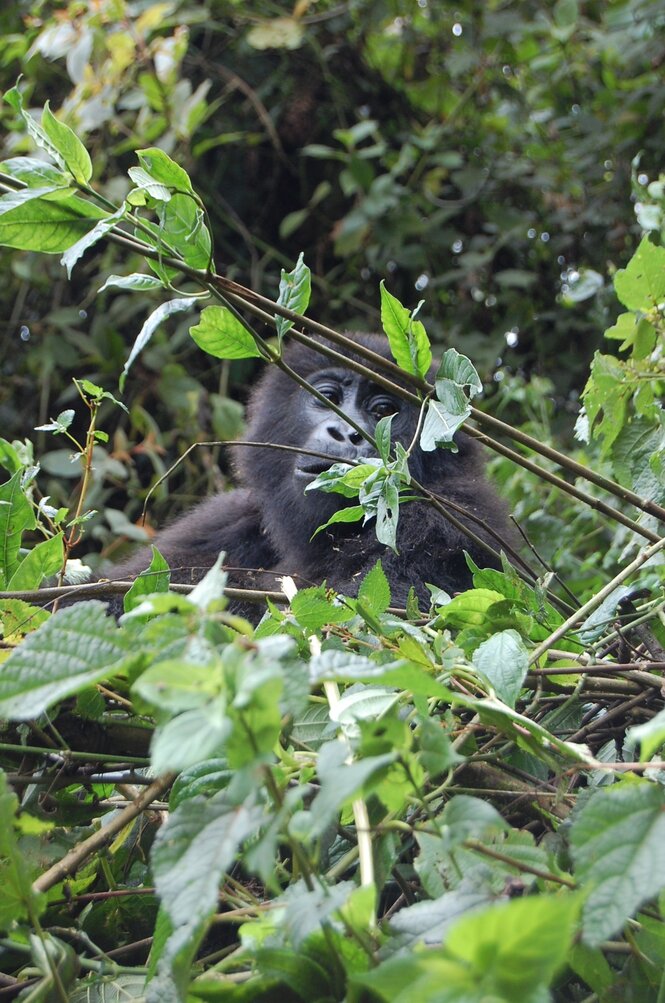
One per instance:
[(268, 522)]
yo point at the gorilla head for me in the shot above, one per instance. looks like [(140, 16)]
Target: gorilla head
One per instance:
[(268, 522)]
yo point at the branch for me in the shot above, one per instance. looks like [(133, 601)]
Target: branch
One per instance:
[(73, 859)]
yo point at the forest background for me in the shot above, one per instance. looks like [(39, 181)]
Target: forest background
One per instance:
[(490, 778)]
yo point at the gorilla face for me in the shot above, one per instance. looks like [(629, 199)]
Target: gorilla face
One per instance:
[(325, 431), (282, 412)]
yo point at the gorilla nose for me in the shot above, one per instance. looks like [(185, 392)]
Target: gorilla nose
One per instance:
[(345, 433)]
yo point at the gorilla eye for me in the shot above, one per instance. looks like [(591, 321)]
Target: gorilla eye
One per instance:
[(382, 406), (330, 391)]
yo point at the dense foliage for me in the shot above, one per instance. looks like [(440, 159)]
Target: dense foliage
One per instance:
[(347, 802)]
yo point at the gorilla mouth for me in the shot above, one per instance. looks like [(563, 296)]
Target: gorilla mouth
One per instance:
[(309, 467), (312, 468)]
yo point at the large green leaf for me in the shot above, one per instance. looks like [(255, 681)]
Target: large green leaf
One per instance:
[(618, 845), (16, 515), (44, 225), (221, 334), (190, 855), (76, 647)]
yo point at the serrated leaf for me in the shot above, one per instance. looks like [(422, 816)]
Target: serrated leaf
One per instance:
[(374, 591), (73, 649), (156, 318), (295, 290), (190, 855), (618, 845), (155, 578), (408, 339), (504, 659), (43, 560), (485, 957), (14, 98), (519, 965), (47, 226), (221, 334), (74, 154), (641, 284), (313, 609)]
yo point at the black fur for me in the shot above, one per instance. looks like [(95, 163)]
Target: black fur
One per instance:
[(268, 521)]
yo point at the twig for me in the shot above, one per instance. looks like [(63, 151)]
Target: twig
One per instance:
[(78, 854)]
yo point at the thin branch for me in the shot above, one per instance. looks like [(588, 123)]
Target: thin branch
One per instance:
[(581, 614), (73, 859)]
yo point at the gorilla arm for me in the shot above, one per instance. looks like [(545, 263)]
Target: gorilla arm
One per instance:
[(191, 544)]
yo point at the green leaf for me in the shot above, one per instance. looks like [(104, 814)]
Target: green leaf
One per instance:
[(156, 318), (137, 281), (16, 515), (444, 416), (47, 226), (155, 578), (349, 514), (69, 146), (145, 182), (14, 200), (493, 944), (35, 173), (382, 437), (460, 370), (387, 514), (89, 239), (14, 98), (374, 591), (650, 735), (618, 846), (190, 855), (182, 226), (73, 649), (18, 901), (159, 166), (486, 957), (340, 782), (504, 660), (344, 479), (313, 609), (469, 608), (408, 339), (221, 334), (191, 737), (295, 290), (43, 560), (59, 424), (641, 285)]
